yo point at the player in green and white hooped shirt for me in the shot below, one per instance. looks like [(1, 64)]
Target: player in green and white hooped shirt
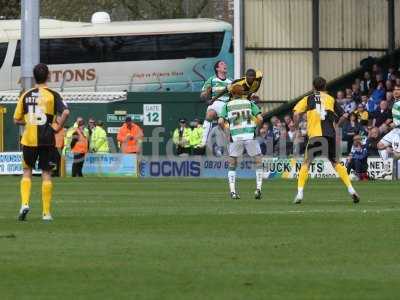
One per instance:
[(243, 117), (212, 87), (390, 143)]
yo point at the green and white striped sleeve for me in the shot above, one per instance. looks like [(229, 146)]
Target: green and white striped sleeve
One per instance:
[(396, 113)]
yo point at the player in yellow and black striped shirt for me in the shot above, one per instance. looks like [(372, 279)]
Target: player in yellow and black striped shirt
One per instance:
[(323, 115), (251, 84), (37, 110)]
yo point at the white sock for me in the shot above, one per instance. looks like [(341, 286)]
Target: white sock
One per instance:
[(300, 192), (351, 190), (232, 181), (259, 178), (207, 125)]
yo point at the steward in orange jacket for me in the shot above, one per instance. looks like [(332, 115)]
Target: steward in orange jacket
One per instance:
[(130, 137), (79, 147)]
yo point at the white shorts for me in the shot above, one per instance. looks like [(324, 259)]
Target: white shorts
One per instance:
[(217, 106), (392, 139), (252, 148)]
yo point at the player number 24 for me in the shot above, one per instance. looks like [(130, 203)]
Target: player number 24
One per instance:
[(240, 116)]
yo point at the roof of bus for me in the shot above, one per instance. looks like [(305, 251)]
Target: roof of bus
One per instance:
[(11, 29)]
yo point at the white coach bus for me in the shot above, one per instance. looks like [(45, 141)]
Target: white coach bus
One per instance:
[(157, 56)]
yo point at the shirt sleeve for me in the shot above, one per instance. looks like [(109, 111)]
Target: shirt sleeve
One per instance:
[(301, 106), (60, 103), (396, 114), (255, 110), (224, 112), (19, 110), (259, 78), (207, 84)]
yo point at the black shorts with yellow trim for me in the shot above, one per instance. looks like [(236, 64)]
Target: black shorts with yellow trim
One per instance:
[(43, 154), (321, 146)]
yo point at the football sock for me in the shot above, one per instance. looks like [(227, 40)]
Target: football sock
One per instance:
[(47, 190), (302, 180), (342, 172), (259, 178), (232, 181), (26, 185), (207, 125)]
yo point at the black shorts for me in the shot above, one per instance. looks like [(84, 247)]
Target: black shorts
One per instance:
[(321, 146), (42, 153)]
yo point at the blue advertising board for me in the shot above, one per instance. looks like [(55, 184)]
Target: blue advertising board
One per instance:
[(111, 164), (193, 167)]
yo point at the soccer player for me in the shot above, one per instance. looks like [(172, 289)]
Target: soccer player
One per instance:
[(323, 115), (37, 110), (251, 84), (243, 117), (213, 86), (390, 143)]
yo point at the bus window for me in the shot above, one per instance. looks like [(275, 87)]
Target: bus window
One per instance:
[(134, 48), (127, 48), (179, 46), (3, 52)]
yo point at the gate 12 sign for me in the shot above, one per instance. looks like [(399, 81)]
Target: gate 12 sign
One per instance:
[(152, 114)]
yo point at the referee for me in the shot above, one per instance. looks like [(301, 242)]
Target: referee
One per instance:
[(37, 110)]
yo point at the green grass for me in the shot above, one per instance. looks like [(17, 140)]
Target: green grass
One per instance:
[(184, 239)]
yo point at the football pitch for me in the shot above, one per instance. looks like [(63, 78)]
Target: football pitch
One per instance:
[(185, 239)]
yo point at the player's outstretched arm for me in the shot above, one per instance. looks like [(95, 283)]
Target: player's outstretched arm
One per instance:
[(206, 94)]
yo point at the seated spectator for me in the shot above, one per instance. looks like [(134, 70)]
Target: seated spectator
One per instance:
[(382, 117), (393, 77), (356, 93), (378, 93), (362, 115), (266, 139), (349, 105), (389, 86), (389, 99), (293, 140), (379, 77), (376, 69), (276, 128), (397, 81), (279, 132), (391, 73), (372, 141), (351, 129), (365, 84), (287, 119), (364, 100), (358, 159), (340, 97)]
